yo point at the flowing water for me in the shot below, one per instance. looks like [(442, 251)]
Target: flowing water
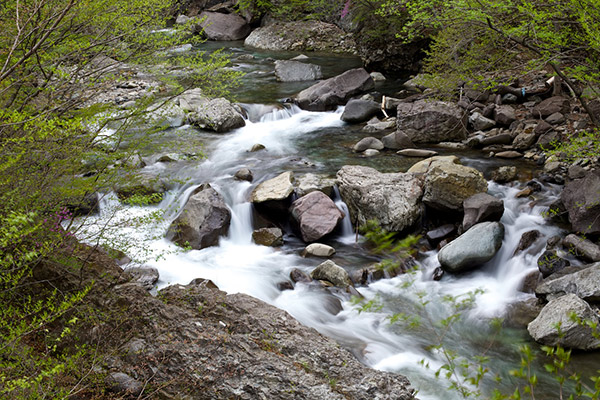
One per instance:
[(319, 142)]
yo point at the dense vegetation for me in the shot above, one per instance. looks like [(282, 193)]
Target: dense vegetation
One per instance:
[(57, 58)]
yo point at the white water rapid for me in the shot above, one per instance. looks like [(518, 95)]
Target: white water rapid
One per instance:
[(238, 265)]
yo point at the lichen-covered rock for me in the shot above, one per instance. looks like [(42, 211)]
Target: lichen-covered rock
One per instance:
[(300, 36), (272, 237), (333, 273), (218, 115), (447, 183), (313, 182), (432, 121), (393, 199), (204, 218), (473, 248), (572, 335)]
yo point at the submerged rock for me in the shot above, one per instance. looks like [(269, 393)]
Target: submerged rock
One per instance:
[(296, 71), (473, 248)]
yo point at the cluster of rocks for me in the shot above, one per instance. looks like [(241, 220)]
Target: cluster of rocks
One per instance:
[(199, 341)]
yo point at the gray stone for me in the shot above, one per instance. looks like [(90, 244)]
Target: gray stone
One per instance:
[(572, 334), (393, 199), (501, 138), (550, 106), (527, 240), (145, 276), (150, 186), (550, 262), (312, 182), (331, 272), (581, 198), (541, 128), (473, 248), (431, 121), (370, 153), (297, 275), (368, 142), (556, 119), (448, 184), (318, 250), (328, 94), (358, 110), (310, 35), (481, 207), (316, 214), (584, 283), (504, 115), (204, 218), (435, 236), (121, 383), (244, 174), (218, 26), (582, 248), (417, 153), (182, 19), (511, 154), (524, 141), (397, 140), (504, 174), (217, 114), (278, 188), (257, 147), (272, 237), (295, 71), (481, 123), (374, 125)]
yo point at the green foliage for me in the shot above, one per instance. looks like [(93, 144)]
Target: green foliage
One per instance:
[(294, 10), (585, 144)]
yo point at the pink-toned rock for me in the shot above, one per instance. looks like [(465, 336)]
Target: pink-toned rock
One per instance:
[(316, 214)]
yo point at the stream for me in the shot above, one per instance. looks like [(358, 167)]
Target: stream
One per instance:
[(319, 142)]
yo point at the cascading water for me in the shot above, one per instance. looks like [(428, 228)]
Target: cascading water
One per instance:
[(238, 265)]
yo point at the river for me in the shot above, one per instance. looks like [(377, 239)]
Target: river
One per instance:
[(319, 142)]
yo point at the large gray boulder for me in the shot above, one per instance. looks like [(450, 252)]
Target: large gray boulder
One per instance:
[(584, 283), (218, 26), (393, 199), (296, 71), (316, 214), (278, 188), (572, 334), (448, 183), (581, 198), (473, 248), (204, 218), (330, 93), (306, 183), (299, 36), (214, 114), (358, 110), (432, 121), (333, 273), (481, 207)]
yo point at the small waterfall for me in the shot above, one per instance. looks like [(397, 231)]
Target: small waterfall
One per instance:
[(347, 234)]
